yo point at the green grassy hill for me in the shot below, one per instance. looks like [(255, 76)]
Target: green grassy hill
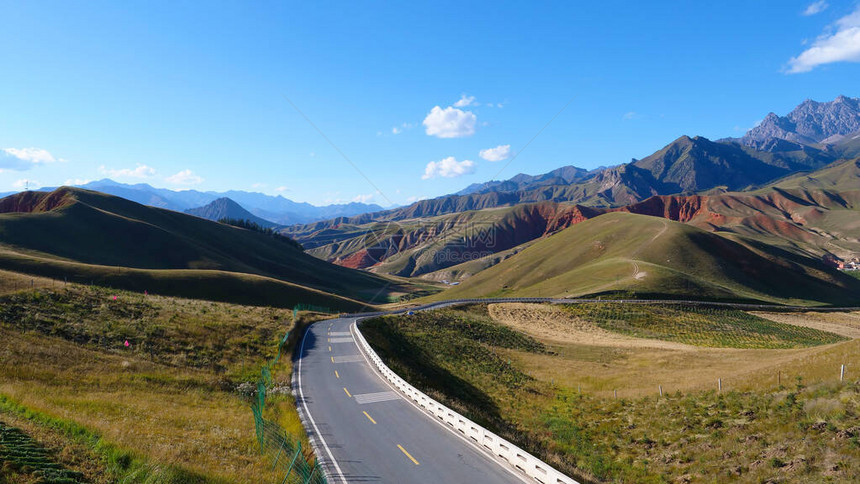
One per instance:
[(659, 258), (90, 228)]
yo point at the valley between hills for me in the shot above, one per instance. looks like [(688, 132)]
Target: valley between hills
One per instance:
[(703, 325)]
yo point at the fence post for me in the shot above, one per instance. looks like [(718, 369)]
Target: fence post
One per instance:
[(258, 425), (313, 471), (278, 457), (298, 452), (842, 373)]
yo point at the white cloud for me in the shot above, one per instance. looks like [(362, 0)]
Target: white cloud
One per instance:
[(450, 122), (140, 171), (33, 155), (631, 115), (258, 185), (465, 101), (76, 182), (362, 198), (839, 43), (282, 189), (448, 168), (20, 159), (403, 127), (184, 177), (499, 153), (816, 7)]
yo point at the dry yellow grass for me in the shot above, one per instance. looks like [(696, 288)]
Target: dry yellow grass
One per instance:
[(169, 415), (600, 362), (846, 323), (804, 431), (11, 282), (552, 325), (171, 398)]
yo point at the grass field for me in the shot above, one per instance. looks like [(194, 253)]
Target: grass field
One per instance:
[(170, 407), (547, 380), (699, 326), (213, 285), (656, 258)]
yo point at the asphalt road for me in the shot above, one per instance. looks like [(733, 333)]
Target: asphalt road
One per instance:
[(364, 431)]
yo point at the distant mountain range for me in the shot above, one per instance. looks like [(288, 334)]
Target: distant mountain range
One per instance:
[(797, 196), (809, 123), (275, 209), (751, 218), (225, 208), (812, 136), (808, 215)]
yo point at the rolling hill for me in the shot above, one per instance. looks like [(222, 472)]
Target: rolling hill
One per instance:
[(660, 258), (811, 214), (75, 226)]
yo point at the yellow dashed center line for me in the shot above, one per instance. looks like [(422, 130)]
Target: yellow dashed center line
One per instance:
[(336, 374), (370, 418), (329, 348), (407, 454), (347, 392), (332, 359)]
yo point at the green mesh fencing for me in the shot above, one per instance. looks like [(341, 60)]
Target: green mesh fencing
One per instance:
[(297, 464)]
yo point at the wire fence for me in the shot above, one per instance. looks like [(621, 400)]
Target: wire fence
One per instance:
[(298, 464)]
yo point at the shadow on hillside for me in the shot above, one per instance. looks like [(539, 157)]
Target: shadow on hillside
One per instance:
[(412, 362)]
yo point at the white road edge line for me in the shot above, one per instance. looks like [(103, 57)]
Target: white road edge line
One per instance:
[(503, 464), (308, 413)]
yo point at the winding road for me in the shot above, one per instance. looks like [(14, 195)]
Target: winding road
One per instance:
[(365, 431)]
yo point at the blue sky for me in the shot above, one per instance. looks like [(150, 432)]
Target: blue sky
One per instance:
[(200, 94)]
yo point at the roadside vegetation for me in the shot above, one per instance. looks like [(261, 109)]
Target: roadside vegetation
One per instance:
[(531, 386), (171, 406), (22, 455)]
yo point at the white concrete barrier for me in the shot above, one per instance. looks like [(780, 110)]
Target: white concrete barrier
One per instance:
[(517, 458)]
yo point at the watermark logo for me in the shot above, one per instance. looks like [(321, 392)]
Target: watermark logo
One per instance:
[(445, 243)]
